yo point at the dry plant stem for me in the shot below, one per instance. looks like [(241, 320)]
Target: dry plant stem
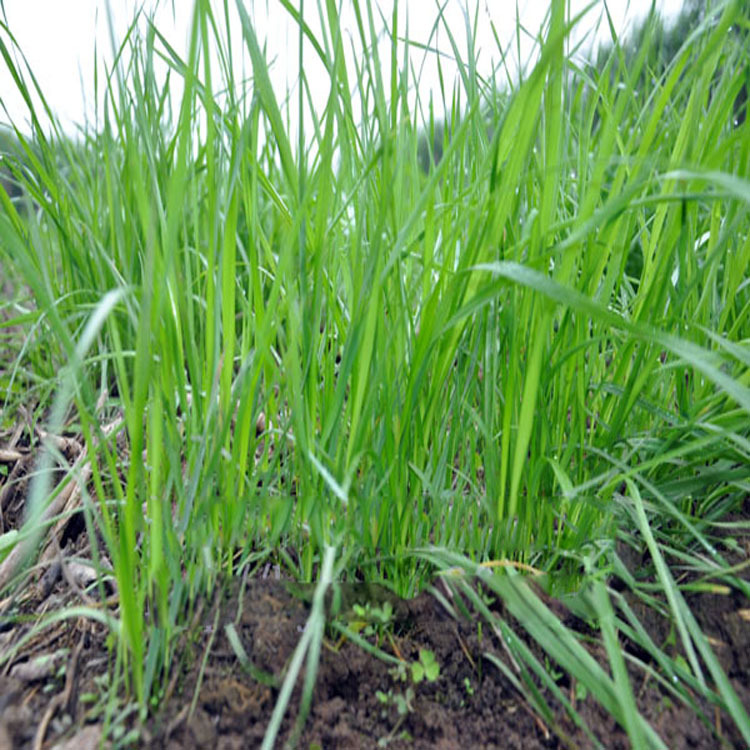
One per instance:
[(63, 444), (209, 646), (465, 649), (537, 719), (61, 700), (508, 652), (69, 577), (9, 456), (10, 484), (17, 432), (188, 709), (66, 501), (73, 500), (175, 723), (183, 641), (12, 563), (41, 731)]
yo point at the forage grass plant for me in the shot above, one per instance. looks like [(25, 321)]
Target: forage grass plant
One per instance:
[(315, 339)]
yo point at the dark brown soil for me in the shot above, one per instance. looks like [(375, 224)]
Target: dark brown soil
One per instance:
[(211, 701)]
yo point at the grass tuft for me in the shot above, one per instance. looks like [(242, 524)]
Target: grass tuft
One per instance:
[(516, 342)]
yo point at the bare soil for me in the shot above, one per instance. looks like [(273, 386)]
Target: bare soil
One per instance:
[(211, 701)]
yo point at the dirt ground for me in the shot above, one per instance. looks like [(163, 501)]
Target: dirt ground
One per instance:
[(358, 702)]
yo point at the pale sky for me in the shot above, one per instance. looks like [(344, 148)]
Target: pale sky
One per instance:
[(61, 39)]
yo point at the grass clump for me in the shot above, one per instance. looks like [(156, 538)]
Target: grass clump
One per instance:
[(508, 350)]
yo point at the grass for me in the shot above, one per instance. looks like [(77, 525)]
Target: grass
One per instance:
[(533, 348)]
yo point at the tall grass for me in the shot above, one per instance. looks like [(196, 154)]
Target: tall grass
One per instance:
[(543, 334)]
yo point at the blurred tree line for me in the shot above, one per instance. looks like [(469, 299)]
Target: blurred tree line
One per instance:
[(8, 150), (665, 40)]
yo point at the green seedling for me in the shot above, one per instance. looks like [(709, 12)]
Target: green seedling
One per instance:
[(426, 668), (581, 691), (553, 672), (404, 705), (400, 672), (402, 702), (370, 619)]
